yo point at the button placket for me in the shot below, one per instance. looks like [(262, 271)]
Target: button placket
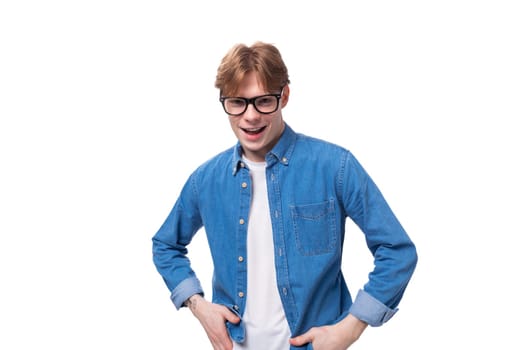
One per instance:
[(244, 187)]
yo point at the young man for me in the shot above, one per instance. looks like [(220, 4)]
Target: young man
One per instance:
[(274, 209)]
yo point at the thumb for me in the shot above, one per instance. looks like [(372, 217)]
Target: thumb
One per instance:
[(231, 317), (303, 339)]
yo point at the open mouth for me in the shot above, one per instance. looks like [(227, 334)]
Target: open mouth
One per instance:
[(253, 131)]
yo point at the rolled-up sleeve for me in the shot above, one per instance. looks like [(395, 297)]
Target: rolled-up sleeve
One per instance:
[(169, 246), (394, 253), (370, 310)]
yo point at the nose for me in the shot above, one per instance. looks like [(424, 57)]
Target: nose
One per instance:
[(251, 113)]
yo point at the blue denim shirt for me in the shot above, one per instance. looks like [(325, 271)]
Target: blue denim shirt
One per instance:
[(313, 187)]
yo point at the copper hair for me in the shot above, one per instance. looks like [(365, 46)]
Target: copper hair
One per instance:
[(262, 58)]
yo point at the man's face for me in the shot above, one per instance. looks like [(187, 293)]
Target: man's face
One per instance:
[(257, 132)]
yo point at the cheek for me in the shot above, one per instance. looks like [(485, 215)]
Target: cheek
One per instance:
[(233, 125), (276, 122)]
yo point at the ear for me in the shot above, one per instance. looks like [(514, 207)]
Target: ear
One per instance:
[(285, 96)]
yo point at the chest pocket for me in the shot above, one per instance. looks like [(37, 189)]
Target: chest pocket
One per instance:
[(314, 227)]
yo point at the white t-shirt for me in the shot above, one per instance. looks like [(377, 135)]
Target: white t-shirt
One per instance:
[(264, 318)]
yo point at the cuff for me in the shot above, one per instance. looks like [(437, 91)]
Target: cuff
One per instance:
[(184, 290), (370, 310)]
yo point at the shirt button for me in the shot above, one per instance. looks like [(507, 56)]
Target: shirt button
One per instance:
[(241, 295), (241, 259), (241, 221), (244, 185), (285, 160), (242, 165), (236, 307), (285, 291)]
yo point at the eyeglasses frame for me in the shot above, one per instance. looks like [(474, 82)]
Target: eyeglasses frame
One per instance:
[(251, 101)]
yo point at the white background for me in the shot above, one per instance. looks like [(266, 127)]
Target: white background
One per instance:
[(107, 106)]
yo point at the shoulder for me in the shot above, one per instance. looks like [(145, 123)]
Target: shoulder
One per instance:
[(220, 163), (309, 146)]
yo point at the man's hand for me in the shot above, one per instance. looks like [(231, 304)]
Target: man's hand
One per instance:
[(336, 337), (213, 319)]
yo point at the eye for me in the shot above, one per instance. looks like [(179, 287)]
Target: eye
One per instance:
[(265, 100), (235, 102)]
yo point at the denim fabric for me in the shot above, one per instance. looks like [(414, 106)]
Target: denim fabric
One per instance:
[(313, 187)]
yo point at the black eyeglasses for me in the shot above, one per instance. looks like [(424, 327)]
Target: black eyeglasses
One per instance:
[(264, 104)]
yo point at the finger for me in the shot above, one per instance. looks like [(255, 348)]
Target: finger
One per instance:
[(221, 340), (222, 344), (303, 339), (230, 316)]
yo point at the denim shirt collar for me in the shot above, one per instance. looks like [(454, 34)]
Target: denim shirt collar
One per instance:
[(282, 151)]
